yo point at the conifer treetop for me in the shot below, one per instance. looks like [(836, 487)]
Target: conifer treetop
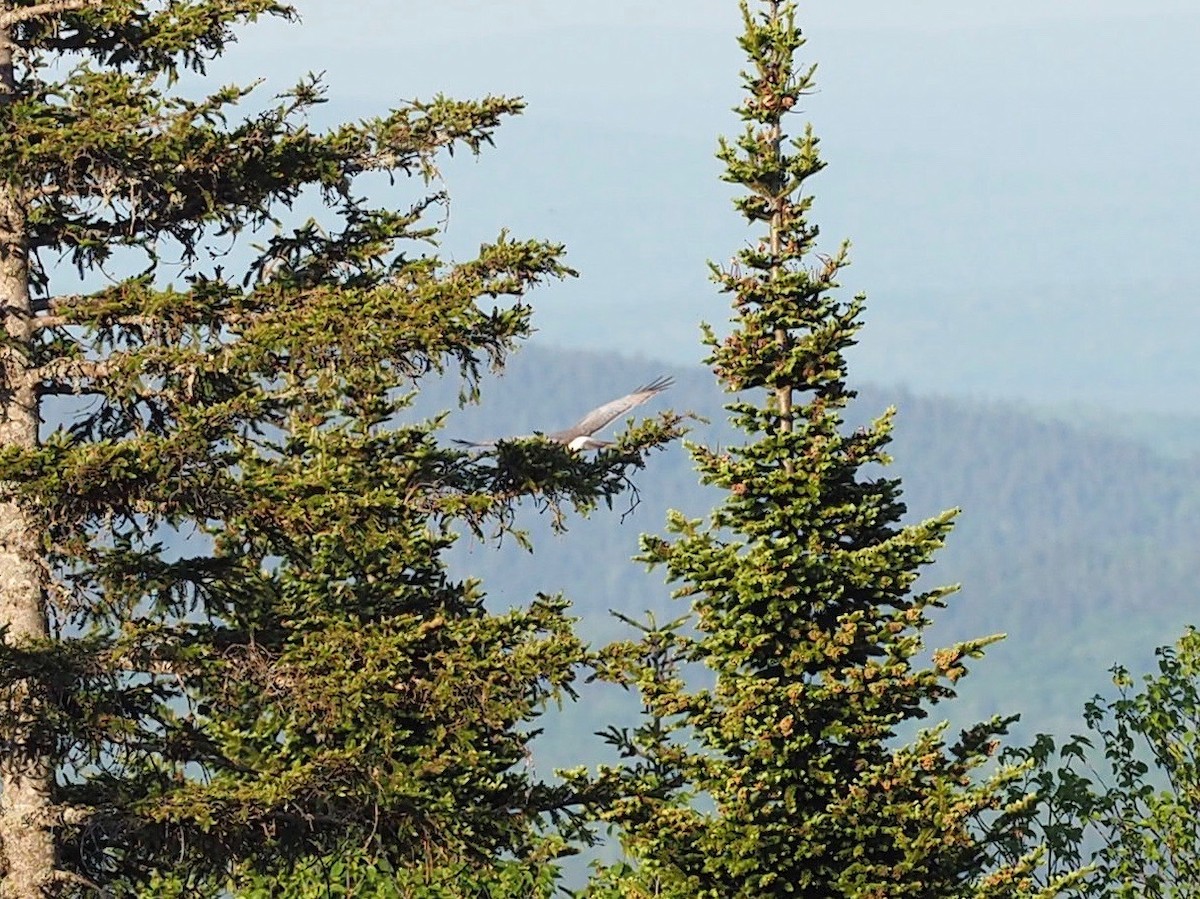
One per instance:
[(789, 775)]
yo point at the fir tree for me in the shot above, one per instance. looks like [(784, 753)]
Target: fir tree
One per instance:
[(794, 774), (230, 643)]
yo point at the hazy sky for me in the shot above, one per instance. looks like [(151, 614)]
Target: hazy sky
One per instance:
[(1019, 180)]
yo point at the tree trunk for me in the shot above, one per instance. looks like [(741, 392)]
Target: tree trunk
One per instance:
[(26, 837)]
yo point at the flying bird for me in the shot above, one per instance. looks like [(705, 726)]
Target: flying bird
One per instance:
[(579, 435)]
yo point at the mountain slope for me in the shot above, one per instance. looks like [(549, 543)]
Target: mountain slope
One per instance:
[(1077, 545)]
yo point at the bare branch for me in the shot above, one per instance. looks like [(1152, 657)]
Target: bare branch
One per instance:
[(55, 304), (73, 371), (20, 14), (74, 814), (69, 390), (70, 878)]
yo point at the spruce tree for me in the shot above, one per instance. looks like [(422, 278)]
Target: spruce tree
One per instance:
[(230, 643), (797, 772)]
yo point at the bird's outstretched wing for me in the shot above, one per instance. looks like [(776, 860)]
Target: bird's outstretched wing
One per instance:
[(602, 415)]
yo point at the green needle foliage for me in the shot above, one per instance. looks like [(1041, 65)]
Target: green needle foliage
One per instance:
[(794, 774), (231, 647)]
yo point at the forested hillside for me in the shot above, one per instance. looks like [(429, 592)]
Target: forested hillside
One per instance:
[(1077, 544)]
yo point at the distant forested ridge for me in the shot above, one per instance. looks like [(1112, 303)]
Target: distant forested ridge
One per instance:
[(1080, 545)]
